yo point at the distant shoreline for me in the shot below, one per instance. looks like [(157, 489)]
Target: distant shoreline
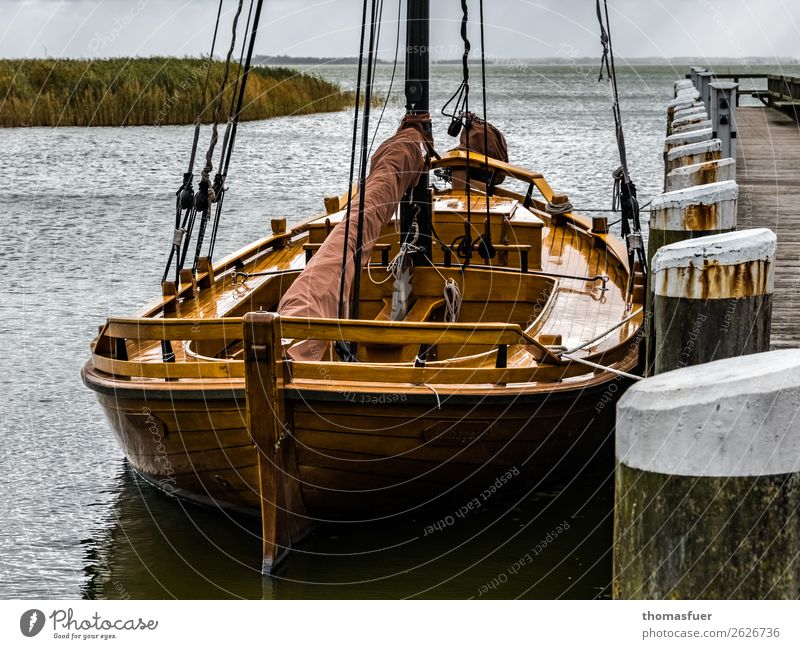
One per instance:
[(511, 60), (151, 92)]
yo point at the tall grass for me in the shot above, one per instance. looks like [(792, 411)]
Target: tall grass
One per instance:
[(150, 91)]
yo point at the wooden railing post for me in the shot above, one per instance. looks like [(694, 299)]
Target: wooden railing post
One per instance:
[(283, 515)]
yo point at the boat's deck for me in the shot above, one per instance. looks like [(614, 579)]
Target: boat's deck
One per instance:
[(577, 311)]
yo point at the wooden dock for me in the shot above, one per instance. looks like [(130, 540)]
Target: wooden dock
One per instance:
[(768, 173)]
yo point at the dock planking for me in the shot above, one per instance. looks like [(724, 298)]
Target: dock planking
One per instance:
[(768, 173)]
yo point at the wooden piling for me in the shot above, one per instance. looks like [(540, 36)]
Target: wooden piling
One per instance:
[(692, 110), (681, 139), (712, 298), (682, 102), (685, 214), (692, 212), (695, 153), (682, 84), (691, 123), (708, 482), (714, 171), (284, 520)]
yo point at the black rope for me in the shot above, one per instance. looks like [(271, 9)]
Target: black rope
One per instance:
[(184, 197), (346, 247), (219, 179), (624, 196), (465, 248), (486, 249), (391, 81), (221, 95), (210, 61), (231, 110), (205, 196), (245, 75), (363, 166), (227, 148)]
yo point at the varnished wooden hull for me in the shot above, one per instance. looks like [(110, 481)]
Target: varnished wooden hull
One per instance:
[(196, 449), (377, 455), (360, 453)]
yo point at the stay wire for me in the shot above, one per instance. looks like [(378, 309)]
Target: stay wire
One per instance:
[(346, 246), (210, 63), (487, 233), (624, 189), (185, 191), (227, 144), (391, 81), (205, 198), (220, 96), (363, 164), (467, 242), (242, 86)]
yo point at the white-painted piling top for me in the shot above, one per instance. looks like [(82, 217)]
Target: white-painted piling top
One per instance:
[(677, 139), (727, 190), (688, 170), (688, 99), (733, 417), (692, 110), (691, 127), (728, 249), (682, 84), (707, 146), (690, 92), (689, 119)]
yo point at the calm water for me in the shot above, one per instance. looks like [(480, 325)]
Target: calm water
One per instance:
[(86, 224)]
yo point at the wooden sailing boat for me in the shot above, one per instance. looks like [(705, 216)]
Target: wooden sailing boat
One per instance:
[(486, 354)]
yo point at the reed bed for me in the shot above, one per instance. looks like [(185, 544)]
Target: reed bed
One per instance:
[(151, 91)]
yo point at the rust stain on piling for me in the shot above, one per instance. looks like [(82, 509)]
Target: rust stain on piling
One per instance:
[(702, 218), (716, 281), (707, 173)]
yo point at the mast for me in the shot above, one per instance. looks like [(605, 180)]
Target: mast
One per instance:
[(418, 200)]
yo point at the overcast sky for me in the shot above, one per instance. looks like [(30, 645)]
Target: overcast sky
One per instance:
[(515, 28)]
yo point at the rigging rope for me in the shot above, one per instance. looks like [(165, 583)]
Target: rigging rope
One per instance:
[(391, 80), (467, 242), (233, 121), (485, 249), (346, 247), (206, 194), (184, 197), (624, 196), (363, 163)]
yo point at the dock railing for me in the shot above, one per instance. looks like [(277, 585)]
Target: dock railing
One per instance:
[(781, 91)]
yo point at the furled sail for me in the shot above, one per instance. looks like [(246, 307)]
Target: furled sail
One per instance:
[(484, 135), (396, 166)]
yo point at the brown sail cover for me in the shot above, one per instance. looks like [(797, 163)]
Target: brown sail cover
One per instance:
[(396, 167), (496, 146)]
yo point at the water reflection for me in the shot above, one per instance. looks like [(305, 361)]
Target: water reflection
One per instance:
[(549, 545)]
